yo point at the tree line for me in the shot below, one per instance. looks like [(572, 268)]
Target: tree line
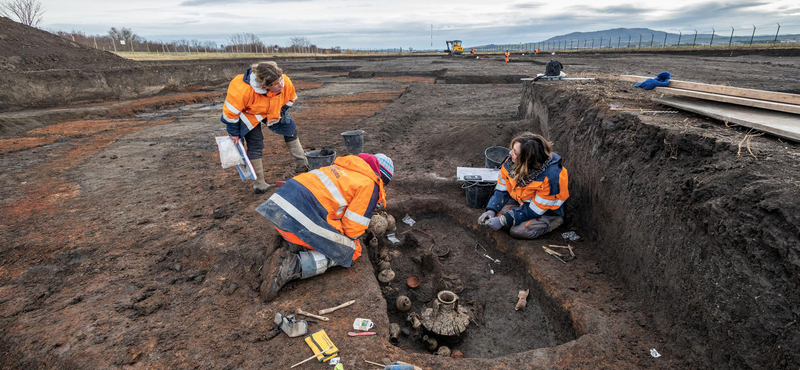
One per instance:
[(125, 40)]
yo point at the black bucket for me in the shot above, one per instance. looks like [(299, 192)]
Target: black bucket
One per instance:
[(354, 141), (478, 193), (495, 155), (317, 160)]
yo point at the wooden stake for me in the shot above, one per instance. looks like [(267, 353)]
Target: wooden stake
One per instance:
[(310, 358), (343, 305), (309, 314), (374, 363)]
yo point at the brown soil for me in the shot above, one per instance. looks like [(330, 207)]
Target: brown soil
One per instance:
[(24, 48), (488, 290), (127, 246)]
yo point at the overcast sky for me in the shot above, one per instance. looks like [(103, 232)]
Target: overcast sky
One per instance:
[(407, 23)]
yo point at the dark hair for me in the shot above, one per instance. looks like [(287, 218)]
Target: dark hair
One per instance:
[(267, 73), (533, 152)]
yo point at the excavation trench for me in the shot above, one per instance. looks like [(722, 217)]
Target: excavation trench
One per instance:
[(689, 226), (451, 260)]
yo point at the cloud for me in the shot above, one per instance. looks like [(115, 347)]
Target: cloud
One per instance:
[(529, 5), (227, 2), (621, 9)]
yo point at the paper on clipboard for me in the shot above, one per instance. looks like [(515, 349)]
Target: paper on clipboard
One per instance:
[(486, 174), (246, 171)]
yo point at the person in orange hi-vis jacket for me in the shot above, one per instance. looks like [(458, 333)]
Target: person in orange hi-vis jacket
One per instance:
[(321, 215), (263, 94), (531, 190), (507, 54)]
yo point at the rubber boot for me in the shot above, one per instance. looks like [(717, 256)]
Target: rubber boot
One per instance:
[(298, 155), (260, 186), (282, 267)]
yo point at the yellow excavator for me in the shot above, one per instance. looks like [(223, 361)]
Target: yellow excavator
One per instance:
[(454, 47)]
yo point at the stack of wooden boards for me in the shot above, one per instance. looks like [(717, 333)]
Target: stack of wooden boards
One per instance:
[(772, 112)]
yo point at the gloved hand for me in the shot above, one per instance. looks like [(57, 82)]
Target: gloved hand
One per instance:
[(485, 217), (496, 223)]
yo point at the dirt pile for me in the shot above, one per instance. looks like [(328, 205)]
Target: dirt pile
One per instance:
[(24, 48)]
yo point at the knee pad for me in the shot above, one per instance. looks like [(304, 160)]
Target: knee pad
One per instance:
[(313, 263)]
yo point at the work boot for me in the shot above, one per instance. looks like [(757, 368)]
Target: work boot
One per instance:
[(555, 223), (260, 186), (298, 155), (282, 267)]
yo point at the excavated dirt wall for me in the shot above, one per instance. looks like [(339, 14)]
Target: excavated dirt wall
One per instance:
[(52, 88), (706, 238), (62, 87)]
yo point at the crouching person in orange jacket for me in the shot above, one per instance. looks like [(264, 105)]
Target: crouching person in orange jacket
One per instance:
[(531, 190), (321, 214)]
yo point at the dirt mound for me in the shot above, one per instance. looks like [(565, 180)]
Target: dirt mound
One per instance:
[(24, 48)]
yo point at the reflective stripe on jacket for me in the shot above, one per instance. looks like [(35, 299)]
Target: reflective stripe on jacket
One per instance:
[(545, 195), (244, 108), (328, 208)]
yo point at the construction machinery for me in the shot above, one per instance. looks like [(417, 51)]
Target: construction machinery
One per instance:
[(454, 47)]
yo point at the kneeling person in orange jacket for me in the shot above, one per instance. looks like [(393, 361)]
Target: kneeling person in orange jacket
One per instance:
[(322, 214), (531, 190)]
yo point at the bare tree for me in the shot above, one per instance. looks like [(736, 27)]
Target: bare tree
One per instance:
[(300, 41), (28, 12)]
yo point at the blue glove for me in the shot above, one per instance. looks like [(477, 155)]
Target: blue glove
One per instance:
[(485, 217), (661, 80), (496, 223)]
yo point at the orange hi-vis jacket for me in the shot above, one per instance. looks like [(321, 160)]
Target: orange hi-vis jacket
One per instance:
[(327, 209), (543, 195), (247, 104)]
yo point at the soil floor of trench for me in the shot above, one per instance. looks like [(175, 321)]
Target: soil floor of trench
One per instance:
[(125, 245)]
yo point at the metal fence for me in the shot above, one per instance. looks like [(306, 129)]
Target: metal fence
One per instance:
[(742, 36)]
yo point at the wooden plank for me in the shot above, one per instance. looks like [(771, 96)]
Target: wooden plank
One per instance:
[(763, 104), (561, 79), (779, 124), (725, 90)]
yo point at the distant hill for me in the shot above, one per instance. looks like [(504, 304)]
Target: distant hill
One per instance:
[(621, 36)]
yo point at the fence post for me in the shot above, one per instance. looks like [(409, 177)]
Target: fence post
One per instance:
[(665, 38), (629, 42), (592, 43), (680, 35), (619, 38), (695, 38), (652, 36), (773, 41), (731, 39), (640, 41), (753, 35), (713, 31)]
